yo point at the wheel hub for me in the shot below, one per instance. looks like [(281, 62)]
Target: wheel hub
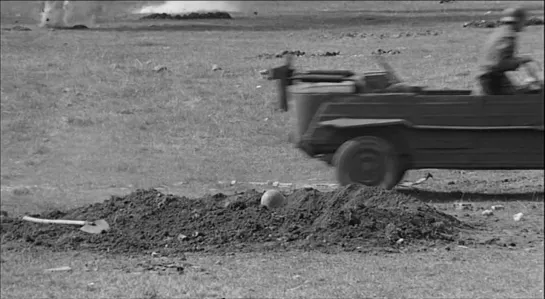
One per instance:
[(370, 168)]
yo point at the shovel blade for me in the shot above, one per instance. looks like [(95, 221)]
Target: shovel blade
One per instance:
[(96, 227)]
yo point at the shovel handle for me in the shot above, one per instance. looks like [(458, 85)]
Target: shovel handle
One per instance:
[(55, 221)]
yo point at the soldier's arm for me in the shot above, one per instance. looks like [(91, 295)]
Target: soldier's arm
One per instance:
[(505, 49)]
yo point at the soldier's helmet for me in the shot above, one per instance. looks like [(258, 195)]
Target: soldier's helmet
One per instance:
[(514, 15)]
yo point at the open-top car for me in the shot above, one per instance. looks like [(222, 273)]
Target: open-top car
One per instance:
[(373, 128)]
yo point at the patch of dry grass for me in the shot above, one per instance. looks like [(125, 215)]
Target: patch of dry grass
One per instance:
[(457, 273)]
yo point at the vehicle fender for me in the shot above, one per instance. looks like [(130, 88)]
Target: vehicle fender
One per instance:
[(352, 123), (389, 129)]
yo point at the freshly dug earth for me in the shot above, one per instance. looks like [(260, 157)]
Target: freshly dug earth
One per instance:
[(347, 219), (189, 16)]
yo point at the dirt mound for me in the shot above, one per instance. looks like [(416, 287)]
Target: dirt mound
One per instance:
[(350, 218), (189, 16), (78, 27)]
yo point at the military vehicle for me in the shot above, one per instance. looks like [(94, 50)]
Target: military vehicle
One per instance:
[(373, 128)]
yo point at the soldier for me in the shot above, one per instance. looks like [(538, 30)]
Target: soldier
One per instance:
[(499, 54)]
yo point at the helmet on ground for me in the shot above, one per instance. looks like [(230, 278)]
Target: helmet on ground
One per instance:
[(514, 15), (273, 199)]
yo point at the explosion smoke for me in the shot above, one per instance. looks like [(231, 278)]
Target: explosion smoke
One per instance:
[(176, 7), (68, 13)]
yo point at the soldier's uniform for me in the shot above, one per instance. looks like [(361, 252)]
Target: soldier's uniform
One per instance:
[(499, 57)]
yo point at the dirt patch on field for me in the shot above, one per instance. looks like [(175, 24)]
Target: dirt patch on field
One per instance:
[(378, 35), (350, 218), (189, 16), (386, 52), (493, 24), (17, 28), (298, 53)]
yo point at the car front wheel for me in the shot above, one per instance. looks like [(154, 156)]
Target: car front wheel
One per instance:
[(368, 160)]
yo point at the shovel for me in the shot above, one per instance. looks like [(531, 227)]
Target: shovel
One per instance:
[(92, 227)]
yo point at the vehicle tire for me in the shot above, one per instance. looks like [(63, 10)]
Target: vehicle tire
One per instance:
[(368, 160)]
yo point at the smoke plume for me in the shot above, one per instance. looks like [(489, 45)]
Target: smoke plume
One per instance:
[(177, 7), (69, 13)]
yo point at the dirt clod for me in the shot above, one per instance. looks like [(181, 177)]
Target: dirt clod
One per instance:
[(160, 68), (342, 220)]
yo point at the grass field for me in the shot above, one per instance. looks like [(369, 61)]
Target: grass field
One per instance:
[(460, 273), (84, 116)]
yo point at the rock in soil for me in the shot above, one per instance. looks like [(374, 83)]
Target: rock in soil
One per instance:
[(145, 221)]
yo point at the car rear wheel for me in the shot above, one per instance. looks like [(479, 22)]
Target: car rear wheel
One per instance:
[(368, 160)]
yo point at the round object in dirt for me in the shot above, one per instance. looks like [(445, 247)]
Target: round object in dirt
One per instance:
[(368, 160), (273, 199)]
